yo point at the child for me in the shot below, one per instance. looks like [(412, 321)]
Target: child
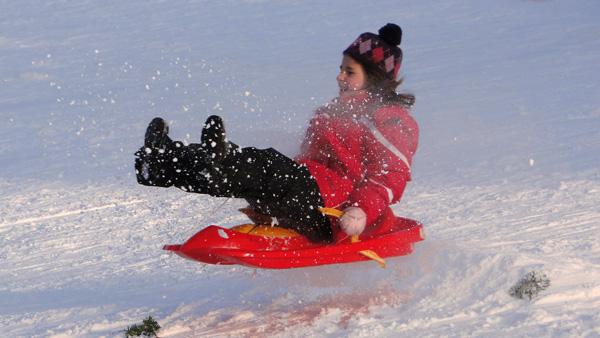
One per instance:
[(356, 154)]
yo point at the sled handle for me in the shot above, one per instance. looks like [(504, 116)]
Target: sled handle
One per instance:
[(354, 239), (331, 212)]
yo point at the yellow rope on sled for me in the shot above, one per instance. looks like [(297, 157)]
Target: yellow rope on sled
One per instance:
[(374, 256), (369, 253), (354, 239), (331, 212)]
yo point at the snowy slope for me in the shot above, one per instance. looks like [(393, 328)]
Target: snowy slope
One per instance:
[(506, 177)]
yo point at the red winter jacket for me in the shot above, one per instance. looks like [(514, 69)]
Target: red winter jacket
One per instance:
[(360, 153)]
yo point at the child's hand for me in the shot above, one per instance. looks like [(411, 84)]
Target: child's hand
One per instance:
[(354, 221)]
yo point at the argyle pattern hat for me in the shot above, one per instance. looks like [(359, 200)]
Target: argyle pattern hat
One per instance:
[(371, 48)]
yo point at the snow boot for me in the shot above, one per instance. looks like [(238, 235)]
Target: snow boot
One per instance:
[(162, 162), (152, 161), (214, 140), (156, 136)]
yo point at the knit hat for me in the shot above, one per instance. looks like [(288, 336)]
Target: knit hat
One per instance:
[(380, 50)]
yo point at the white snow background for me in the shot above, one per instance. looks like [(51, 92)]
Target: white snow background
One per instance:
[(506, 178)]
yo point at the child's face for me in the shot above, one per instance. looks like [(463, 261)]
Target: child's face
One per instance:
[(352, 76)]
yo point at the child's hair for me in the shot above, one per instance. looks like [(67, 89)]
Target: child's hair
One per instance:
[(384, 88)]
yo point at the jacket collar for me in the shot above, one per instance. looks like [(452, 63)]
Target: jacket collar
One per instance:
[(351, 106)]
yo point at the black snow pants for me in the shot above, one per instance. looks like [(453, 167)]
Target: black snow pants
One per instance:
[(269, 181)]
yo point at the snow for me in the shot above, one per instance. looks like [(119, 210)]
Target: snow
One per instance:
[(506, 178)]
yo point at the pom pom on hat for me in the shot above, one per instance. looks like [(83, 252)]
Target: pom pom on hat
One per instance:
[(391, 33)]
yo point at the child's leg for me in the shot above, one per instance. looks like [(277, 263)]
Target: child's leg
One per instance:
[(271, 182), (274, 184)]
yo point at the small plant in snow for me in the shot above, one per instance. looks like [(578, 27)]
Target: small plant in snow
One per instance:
[(148, 328), (530, 285)]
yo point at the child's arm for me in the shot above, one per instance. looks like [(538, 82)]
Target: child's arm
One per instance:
[(392, 137)]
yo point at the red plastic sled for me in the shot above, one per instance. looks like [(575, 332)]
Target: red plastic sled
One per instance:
[(278, 248)]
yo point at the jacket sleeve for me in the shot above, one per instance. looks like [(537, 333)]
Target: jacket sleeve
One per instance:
[(390, 141)]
